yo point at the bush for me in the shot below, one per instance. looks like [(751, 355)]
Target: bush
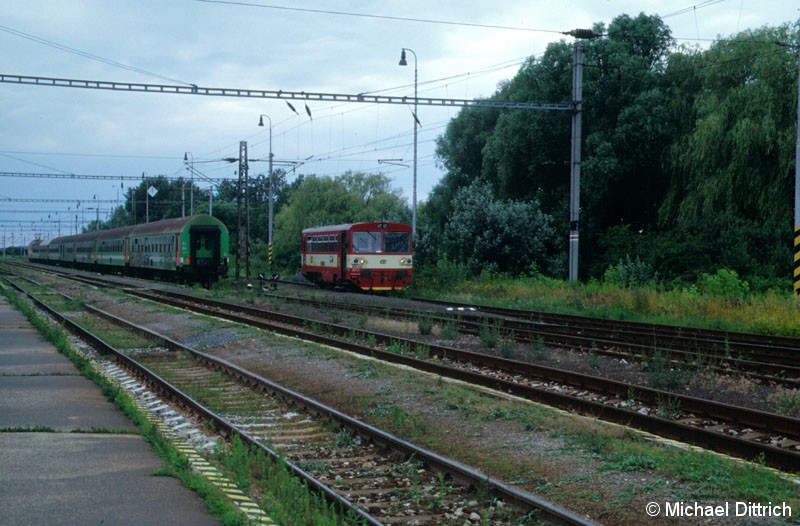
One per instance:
[(630, 273), (724, 284), (447, 273)]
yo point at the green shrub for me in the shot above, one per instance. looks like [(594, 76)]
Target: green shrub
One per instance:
[(631, 273), (724, 284), (425, 326)]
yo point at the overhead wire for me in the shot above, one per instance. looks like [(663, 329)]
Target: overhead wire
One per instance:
[(90, 56), (380, 17)]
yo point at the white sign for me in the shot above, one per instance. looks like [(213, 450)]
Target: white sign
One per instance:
[(152, 191)]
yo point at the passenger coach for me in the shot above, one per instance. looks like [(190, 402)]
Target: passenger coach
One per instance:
[(193, 248), (367, 256)]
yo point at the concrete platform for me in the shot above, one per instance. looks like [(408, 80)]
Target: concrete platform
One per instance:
[(73, 475)]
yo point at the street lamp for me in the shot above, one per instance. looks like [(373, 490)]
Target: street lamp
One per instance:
[(146, 199), (271, 199), (186, 157), (416, 123)]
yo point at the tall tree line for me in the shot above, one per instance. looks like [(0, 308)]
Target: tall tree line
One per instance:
[(688, 158)]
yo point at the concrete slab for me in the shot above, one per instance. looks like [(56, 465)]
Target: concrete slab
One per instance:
[(10, 317), (67, 479), (20, 358), (63, 403), (23, 350)]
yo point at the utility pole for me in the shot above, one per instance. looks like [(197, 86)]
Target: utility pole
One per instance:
[(271, 196), (575, 155), (241, 230)]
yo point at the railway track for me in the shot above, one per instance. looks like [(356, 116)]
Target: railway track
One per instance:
[(741, 432), (594, 338), (769, 349), (745, 433), (382, 479)]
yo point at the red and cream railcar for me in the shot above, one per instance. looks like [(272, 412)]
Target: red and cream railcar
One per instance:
[(367, 256)]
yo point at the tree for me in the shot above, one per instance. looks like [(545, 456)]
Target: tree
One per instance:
[(732, 162), (524, 155), (487, 234)]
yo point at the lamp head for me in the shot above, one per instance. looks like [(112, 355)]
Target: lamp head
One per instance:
[(261, 120), (403, 61)]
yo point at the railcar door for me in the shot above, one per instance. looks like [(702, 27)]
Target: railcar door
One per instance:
[(205, 246), (343, 253)]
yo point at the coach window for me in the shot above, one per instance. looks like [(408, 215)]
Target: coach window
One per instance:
[(366, 242)]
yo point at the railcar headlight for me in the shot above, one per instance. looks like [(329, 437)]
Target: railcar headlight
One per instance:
[(359, 262), (406, 261)]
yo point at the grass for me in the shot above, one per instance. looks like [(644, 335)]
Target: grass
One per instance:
[(425, 326), (449, 330), (489, 334), (663, 373), (770, 312), (116, 336), (286, 498)]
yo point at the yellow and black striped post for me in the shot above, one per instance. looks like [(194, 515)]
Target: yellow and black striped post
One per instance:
[(796, 278), (269, 253)]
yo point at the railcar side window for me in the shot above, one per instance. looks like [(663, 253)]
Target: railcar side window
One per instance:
[(322, 243), (366, 242), (397, 242)]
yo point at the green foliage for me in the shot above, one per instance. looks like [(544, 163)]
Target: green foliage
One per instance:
[(487, 234), (724, 284), (687, 159), (631, 273), (425, 326), (441, 276), (489, 335)]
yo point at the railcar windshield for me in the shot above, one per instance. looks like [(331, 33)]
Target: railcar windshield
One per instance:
[(366, 242), (397, 242)]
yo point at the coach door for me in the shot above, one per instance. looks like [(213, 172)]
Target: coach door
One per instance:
[(205, 246)]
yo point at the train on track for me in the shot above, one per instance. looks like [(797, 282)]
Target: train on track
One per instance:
[(362, 256), (187, 249)]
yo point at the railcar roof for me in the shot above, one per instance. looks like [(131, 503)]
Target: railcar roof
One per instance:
[(168, 226), (164, 226), (348, 226), (114, 233)]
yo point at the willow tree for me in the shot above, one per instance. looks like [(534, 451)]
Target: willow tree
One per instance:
[(732, 167)]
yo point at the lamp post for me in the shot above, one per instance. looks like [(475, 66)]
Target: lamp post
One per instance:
[(271, 195), (190, 158), (403, 62), (146, 199)]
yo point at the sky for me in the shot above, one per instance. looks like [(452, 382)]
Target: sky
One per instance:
[(311, 46)]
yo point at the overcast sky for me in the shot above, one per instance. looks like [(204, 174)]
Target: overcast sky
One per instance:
[(269, 45)]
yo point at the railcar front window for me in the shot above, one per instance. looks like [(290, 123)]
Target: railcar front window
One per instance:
[(397, 242), (366, 242)]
